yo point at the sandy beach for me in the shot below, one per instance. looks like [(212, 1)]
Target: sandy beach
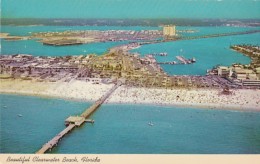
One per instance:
[(87, 91)]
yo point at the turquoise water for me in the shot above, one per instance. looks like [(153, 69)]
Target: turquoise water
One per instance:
[(41, 119), (208, 52), (38, 49), (121, 129)]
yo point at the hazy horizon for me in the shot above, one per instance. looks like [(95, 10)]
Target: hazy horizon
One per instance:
[(125, 9)]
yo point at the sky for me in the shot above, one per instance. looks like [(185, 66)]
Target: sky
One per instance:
[(246, 9)]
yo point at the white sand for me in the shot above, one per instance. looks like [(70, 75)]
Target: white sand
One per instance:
[(86, 91), (206, 98)]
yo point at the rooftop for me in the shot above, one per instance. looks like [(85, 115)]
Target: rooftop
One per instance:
[(73, 119)]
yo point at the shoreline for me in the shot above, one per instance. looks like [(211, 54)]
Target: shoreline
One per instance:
[(181, 105), (241, 100)]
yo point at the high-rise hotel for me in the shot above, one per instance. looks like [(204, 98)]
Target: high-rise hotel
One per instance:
[(169, 30)]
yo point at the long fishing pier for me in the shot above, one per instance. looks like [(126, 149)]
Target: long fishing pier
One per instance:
[(76, 121)]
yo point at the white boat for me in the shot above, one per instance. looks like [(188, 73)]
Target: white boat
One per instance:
[(150, 123), (19, 115), (193, 60)]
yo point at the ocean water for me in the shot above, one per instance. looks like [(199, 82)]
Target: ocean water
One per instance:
[(208, 52), (42, 119), (124, 129)]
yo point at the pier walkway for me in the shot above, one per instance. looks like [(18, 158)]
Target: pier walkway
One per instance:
[(100, 101), (54, 141)]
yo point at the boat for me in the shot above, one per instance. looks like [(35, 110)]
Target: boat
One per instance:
[(193, 60), (150, 123), (19, 115), (163, 54), (173, 62), (5, 106)]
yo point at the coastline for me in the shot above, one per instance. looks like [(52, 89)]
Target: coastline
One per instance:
[(242, 100)]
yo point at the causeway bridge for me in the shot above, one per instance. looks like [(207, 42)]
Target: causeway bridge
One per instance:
[(76, 121), (221, 35), (201, 37)]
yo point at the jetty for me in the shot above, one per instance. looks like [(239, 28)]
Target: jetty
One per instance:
[(76, 121)]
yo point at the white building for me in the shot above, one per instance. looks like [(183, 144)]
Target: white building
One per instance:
[(169, 30)]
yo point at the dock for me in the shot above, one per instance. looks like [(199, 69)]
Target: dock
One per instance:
[(183, 60), (76, 121)]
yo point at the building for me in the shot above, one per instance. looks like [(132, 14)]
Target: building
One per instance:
[(257, 70), (223, 71), (169, 30), (77, 120), (251, 83), (243, 74)]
